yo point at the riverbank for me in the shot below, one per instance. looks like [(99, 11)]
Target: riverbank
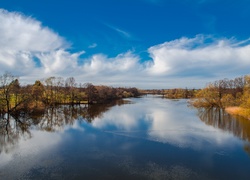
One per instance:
[(239, 111)]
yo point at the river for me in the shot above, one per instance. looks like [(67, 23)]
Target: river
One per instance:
[(139, 138)]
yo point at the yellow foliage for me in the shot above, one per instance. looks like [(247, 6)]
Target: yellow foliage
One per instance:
[(228, 100), (207, 97)]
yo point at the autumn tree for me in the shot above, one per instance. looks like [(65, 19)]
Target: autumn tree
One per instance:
[(206, 97), (15, 91), (58, 86), (5, 94), (222, 93), (70, 85), (37, 92), (246, 95), (91, 92), (49, 94)]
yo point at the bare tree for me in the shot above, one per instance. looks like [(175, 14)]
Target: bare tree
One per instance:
[(91, 92), (70, 85)]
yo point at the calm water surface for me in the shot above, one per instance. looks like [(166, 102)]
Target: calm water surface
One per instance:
[(145, 138)]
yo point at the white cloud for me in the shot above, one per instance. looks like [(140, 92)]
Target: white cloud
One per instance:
[(58, 61), (21, 33), (196, 56), (21, 38), (32, 51), (102, 64)]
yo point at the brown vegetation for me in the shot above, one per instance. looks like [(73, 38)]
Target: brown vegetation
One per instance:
[(53, 91), (233, 110), (176, 93), (234, 95)]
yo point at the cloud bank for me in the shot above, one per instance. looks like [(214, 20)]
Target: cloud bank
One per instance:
[(32, 51), (200, 56)]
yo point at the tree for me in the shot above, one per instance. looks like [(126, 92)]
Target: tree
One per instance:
[(223, 93), (49, 95), (5, 94), (37, 91), (70, 85), (58, 86), (207, 97), (91, 92), (15, 90)]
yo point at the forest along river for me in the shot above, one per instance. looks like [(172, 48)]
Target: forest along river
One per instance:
[(141, 138)]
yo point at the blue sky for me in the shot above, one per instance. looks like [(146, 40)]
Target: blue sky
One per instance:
[(142, 43)]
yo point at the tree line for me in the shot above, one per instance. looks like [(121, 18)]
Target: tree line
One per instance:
[(226, 93), (175, 93), (53, 91)]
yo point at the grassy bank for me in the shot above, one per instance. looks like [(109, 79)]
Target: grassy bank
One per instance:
[(239, 111)]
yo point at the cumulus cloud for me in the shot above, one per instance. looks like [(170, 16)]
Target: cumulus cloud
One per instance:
[(33, 51), (182, 62), (21, 39), (22, 33), (58, 61), (201, 55), (100, 63)]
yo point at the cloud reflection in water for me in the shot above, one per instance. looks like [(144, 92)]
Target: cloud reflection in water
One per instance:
[(161, 120)]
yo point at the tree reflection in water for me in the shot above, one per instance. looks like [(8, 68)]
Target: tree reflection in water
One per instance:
[(13, 127), (18, 125), (218, 118)]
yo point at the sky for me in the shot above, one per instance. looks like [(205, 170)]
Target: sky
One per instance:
[(149, 44)]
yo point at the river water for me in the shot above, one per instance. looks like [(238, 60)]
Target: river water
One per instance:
[(140, 138)]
